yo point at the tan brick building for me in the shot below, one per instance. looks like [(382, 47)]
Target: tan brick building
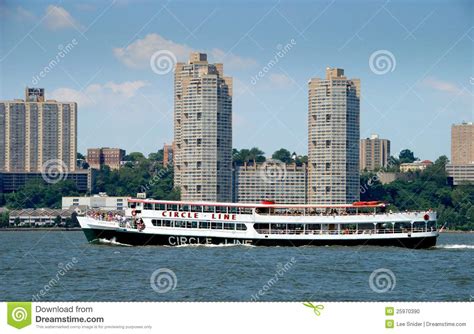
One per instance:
[(37, 134), (374, 153), (202, 130), (462, 144), (461, 168), (333, 138), (272, 181)]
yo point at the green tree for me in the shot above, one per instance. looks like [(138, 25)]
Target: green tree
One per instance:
[(57, 221), (256, 155), (158, 156), (245, 155), (283, 155), (38, 194), (425, 190), (4, 219), (134, 156), (406, 156)]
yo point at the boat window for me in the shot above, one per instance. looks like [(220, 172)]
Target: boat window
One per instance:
[(207, 208), (278, 227), (189, 224), (313, 227), (156, 222), (132, 205), (160, 207), (221, 209), (229, 226), (184, 207), (181, 224), (216, 226), (245, 211), (241, 227), (171, 207), (295, 227), (205, 225), (233, 209), (148, 206), (261, 228), (196, 208), (167, 223)]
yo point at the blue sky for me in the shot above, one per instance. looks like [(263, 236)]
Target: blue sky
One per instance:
[(103, 50)]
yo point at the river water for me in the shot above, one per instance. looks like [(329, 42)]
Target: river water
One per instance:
[(62, 266)]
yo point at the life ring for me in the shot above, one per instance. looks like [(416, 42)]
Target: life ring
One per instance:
[(134, 213), (426, 217)]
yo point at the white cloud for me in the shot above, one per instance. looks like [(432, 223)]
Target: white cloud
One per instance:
[(443, 86), (58, 18), (138, 53), (24, 14), (18, 13), (127, 89), (85, 7), (110, 93), (232, 61), (279, 80)]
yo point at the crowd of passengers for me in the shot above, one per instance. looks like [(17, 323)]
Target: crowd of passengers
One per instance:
[(330, 212)]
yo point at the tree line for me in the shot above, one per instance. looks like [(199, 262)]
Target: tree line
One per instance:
[(421, 190)]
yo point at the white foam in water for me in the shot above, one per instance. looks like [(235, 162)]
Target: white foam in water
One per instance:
[(456, 246), (111, 242)]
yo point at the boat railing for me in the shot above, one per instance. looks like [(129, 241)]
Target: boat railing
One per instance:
[(107, 218), (346, 231), (305, 213)]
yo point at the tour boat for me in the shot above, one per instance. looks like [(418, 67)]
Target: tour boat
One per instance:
[(178, 223)]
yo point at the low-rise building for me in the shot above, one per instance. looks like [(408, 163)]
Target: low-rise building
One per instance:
[(105, 156), (459, 174), (96, 202), (415, 166), (12, 181), (271, 180), (39, 217)]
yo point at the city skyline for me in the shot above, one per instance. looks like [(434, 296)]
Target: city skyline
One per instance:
[(104, 65)]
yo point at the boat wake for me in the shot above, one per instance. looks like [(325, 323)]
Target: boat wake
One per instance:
[(455, 246), (111, 242)]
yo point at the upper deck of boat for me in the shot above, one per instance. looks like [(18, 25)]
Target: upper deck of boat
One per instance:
[(271, 209), (263, 204)]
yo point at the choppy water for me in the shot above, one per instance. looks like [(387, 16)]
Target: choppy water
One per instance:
[(66, 267)]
